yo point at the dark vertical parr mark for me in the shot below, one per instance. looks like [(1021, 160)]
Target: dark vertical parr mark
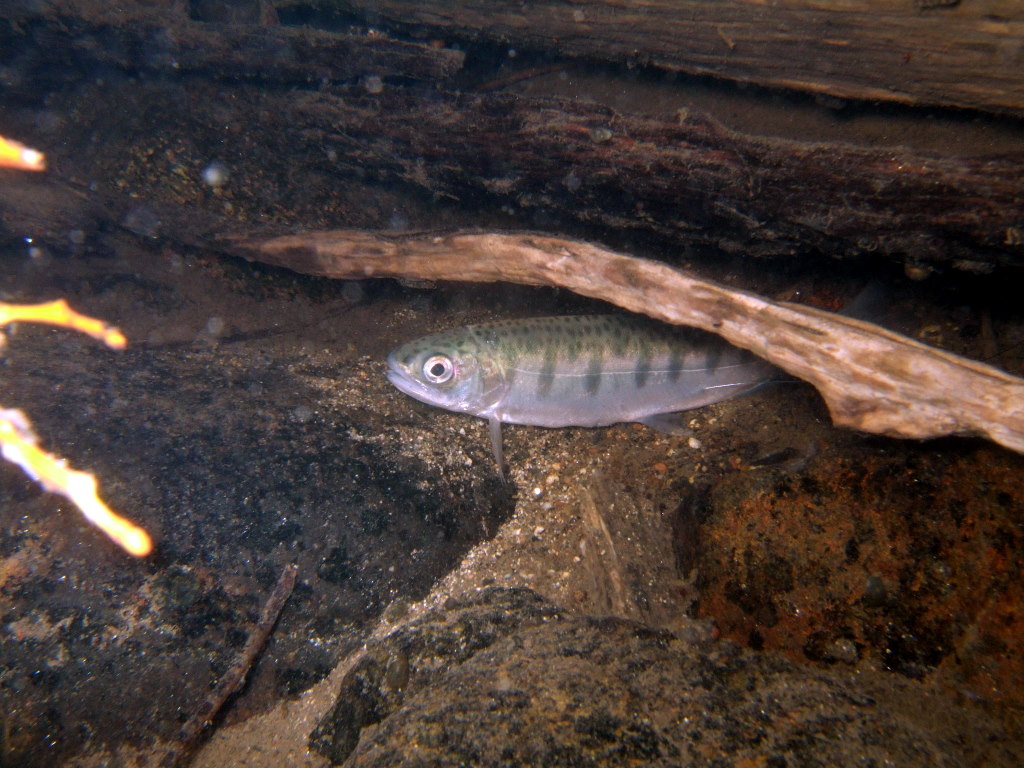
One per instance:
[(592, 381), (675, 364), (643, 365), (546, 380), (619, 338)]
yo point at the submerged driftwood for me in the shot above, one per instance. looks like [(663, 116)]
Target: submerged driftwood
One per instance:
[(691, 180), (918, 52), (154, 37), (361, 110), (872, 379)]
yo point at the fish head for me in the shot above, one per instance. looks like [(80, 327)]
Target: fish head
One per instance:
[(450, 370)]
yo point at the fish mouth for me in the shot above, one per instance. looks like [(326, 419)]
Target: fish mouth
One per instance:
[(406, 385)]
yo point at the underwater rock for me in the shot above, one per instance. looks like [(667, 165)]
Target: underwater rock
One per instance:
[(848, 559), (505, 678), (415, 658)]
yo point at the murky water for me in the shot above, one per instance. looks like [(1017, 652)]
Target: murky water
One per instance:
[(249, 426)]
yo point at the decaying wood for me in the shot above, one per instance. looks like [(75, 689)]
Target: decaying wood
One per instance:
[(143, 37), (872, 379), (688, 181), (691, 181), (966, 54)]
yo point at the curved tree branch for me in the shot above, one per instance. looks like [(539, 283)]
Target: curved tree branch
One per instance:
[(872, 379)]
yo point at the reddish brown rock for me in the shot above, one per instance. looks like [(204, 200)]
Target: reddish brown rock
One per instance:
[(907, 560)]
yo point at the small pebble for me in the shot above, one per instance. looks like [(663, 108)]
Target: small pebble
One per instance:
[(842, 649)]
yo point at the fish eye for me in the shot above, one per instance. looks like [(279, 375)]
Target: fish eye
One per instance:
[(438, 369)]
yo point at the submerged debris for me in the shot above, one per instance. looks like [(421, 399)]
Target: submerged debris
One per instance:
[(19, 442), (872, 379)]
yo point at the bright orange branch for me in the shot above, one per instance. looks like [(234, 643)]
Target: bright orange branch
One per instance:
[(18, 443), (14, 154), (59, 313), (19, 446)]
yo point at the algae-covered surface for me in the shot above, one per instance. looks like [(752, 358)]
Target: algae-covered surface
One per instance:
[(766, 590)]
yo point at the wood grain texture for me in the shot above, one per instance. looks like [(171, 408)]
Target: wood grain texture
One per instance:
[(872, 379), (967, 55), (690, 181), (139, 36)]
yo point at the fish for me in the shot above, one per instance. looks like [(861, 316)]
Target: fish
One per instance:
[(575, 371)]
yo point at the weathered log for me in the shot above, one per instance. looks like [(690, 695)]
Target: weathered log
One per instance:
[(141, 37), (872, 379), (915, 52), (691, 181)]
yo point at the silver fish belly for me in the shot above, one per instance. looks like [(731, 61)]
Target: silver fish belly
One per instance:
[(585, 371)]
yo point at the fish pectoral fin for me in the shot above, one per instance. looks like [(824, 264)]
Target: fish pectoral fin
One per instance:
[(495, 430), (671, 423)]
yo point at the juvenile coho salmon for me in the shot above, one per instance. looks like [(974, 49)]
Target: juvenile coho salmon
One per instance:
[(574, 371)]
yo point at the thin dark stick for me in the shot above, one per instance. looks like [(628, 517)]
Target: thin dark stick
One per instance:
[(234, 678)]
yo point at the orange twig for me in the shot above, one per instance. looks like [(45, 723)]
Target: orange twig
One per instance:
[(14, 154), (18, 443), (59, 313)]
